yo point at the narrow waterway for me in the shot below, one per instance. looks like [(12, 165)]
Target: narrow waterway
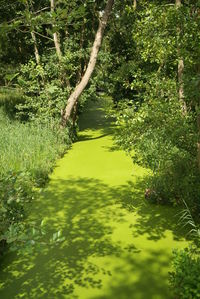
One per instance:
[(117, 246)]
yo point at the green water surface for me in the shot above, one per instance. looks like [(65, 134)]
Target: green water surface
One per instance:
[(117, 245)]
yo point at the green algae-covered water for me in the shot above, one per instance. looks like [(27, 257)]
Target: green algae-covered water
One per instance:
[(117, 245)]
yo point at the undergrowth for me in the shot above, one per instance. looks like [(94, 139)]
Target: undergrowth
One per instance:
[(27, 155), (29, 147)]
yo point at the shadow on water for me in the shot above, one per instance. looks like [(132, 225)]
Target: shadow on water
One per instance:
[(149, 282), (83, 209), (97, 119), (87, 137), (102, 224), (152, 219)]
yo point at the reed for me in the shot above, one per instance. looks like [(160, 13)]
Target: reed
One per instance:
[(29, 147)]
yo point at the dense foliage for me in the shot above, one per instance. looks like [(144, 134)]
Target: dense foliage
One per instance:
[(185, 279), (155, 85), (153, 121), (35, 83), (149, 64), (27, 155)]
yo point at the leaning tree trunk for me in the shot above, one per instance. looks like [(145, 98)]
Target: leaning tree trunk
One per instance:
[(72, 101), (180, 68)]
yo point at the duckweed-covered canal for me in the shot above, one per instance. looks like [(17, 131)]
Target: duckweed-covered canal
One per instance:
[(117, 246)]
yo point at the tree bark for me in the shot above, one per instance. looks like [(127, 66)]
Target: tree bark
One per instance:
[(33, 35), (91, 65), (81, 68), (181, 88), (65, 81), (180, 68), (135, 4), (198, 142), (36, 51), (198, 121), (55, 35)]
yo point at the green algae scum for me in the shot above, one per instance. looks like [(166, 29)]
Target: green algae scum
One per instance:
[(116, 246)]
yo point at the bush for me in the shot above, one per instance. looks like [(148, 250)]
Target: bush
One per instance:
[(46, 89), (16, 191), (161, 139), (185, 278), (44, 92)]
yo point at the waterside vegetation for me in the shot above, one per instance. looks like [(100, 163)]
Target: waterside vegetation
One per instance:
[(147, 63)]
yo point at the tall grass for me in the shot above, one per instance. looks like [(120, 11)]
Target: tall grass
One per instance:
[(28, 147), (28, 152), (9, 98), (9, 94)]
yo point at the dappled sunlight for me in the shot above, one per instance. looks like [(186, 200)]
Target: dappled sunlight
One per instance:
[(153, 220), (146, 281), (116, 244), (98, 223)]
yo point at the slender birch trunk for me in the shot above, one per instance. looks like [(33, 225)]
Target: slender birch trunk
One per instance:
[(64, 79), (33, 35), (198, 141), (180, 68), (36, 51), (80, 71), (198, 122), (91, 65), (55, 35)]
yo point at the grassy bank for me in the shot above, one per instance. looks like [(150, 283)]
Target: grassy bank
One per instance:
[(27, 155), (28, 147)]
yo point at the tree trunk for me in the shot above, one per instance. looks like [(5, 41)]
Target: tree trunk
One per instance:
[(91, 65), (181, 88), (198, 142), (180, 68), (81, 68), (55, 35), (65, 81), (36, 51), (33, 35), (135, 4), (29, 9), (198, 121)]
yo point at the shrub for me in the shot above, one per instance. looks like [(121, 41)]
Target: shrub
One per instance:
[(185, 278), (161, 139), (16, 190)]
